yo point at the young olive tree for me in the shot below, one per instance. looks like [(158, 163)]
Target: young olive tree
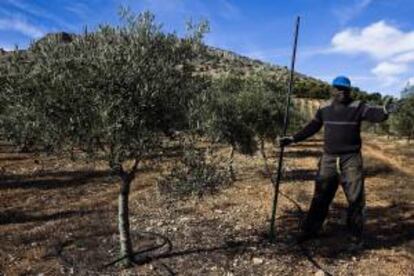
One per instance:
[(245, 111), (402, 122), (262, 103), (224, 119), (113, 93)]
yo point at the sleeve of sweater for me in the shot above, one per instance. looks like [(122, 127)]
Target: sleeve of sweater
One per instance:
[(310, 129), (374, 114)]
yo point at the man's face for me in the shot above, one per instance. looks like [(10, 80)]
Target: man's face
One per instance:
[(341, 95)]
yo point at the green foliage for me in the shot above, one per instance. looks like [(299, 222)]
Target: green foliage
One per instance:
[(197, 173), (223, 116), (240, 110), (373, 98), (408, 90), (402, 122), (114, 91), (312, 89)]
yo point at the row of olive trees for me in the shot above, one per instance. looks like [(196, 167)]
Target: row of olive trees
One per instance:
[(402, 123), (116, 93), (313, 89)]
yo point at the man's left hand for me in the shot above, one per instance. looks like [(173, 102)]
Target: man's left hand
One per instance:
[(390, 106)]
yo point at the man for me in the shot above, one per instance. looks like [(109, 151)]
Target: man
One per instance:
[(341, 161)]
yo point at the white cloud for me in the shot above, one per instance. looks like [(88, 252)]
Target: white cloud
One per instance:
[(389, 69), (78, 8), (22, 26), (347, 13), (228, 10), (404, 58), (390, 47), (34, 10), (410, 81), (380, 40)]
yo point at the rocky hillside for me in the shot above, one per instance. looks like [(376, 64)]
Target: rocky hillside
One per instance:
[(217, 61)]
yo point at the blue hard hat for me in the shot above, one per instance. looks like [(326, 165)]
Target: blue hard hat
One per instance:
[(342, 82)]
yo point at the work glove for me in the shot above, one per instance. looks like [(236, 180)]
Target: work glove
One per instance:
[(390, 106), (285, 141)]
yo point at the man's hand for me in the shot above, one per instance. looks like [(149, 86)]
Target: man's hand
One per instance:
[(390, 106), (285, 141)]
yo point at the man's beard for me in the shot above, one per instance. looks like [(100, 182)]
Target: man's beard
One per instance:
[(342, 97)]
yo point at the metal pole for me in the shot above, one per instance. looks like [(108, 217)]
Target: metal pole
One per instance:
[(276, 182)]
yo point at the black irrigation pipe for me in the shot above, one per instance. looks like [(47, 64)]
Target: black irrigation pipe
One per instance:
[(146, 258)]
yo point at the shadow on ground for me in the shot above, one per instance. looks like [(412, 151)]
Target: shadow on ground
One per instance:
[(12, 216), (386, 227), (220, 244), (300, 175), (54, 180), (303, 154)]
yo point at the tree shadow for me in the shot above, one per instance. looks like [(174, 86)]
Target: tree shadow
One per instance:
[(309, 174), (14, 158), (230, 247), (385, 228), (390, 226), (307, 145), (303, 154), (54, 180), (12, 217), (7, 148), (314, 139), (300, 175), (378, 169)]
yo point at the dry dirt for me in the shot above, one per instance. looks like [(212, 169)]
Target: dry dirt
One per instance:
[(59, 217)]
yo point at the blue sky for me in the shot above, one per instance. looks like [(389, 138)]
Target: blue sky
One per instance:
[(371, 41)]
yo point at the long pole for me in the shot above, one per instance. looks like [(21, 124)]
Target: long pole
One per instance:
[(276, 182)]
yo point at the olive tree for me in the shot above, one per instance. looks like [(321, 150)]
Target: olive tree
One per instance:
[(262, 103), (402, 123), (224, 120), (248, 111), (112, 93), (19, 120)]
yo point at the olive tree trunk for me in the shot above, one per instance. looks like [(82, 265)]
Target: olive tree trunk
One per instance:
[(263, 152), (123, 215), (231, 166), (123, 222)]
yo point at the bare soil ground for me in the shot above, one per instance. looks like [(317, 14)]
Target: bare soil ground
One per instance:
[(58, 217)]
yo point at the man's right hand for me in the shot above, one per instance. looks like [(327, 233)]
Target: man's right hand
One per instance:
[(285, 141)]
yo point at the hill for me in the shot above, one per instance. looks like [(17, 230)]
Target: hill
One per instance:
[(216, 62)]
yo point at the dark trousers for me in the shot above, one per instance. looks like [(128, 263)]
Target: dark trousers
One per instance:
[(347, 170)]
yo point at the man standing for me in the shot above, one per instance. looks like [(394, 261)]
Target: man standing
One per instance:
[(341, 161)]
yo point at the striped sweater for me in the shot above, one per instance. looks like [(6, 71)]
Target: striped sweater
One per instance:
[(342, 125)]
